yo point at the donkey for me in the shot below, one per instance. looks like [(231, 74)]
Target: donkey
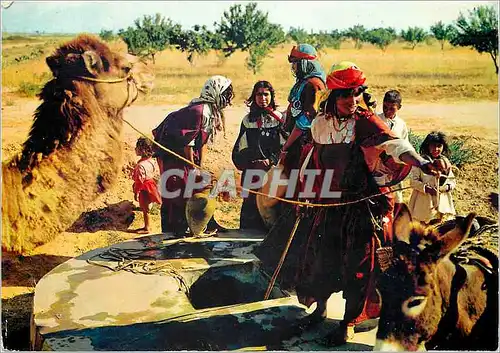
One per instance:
[(430, 299)]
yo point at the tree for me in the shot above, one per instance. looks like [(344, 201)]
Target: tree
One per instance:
[(480, 31), (414, 35), (442, 32), (256, 55), (150, 35), (298, 35), (381, 37), (107, 35), (323, 40), (356, 33), (245, 28), (197, 41), (336, 39), (317, 40)]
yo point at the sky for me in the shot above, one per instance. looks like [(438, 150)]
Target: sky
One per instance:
[(93, 16)]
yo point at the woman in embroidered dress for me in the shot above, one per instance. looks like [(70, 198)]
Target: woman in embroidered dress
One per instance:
[(186, 132), (144, 175), (333, 248), (431, 200), (258, 146)]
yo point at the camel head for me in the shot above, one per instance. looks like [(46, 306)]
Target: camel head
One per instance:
[(89, 80)]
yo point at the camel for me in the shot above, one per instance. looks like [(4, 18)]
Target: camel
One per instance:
[(73, 152)]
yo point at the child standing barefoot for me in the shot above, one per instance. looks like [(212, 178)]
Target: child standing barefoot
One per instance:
[(145, 188), (431, 200)]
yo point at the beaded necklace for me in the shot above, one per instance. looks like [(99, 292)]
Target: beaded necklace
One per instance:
[(342, 127)]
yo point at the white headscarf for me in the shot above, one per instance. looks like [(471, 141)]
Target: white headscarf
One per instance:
[(211, 93)]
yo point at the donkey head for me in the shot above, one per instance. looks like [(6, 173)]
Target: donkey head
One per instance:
[(409, 285)]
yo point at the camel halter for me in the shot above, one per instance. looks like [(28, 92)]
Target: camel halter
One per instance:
[(129, 78), (115, 80)]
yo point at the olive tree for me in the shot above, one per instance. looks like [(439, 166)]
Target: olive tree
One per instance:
[(414, 35), (197, 41), (442, 32), (358, 34), (381, 37), (298, 35), (247, 29), (479, 30), (150, 35)]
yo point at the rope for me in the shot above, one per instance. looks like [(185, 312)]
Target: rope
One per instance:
[(298, 203), (282, 259), (92, 79), (133, 260)]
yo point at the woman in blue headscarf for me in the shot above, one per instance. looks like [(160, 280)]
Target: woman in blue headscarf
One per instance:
[(301, 110)]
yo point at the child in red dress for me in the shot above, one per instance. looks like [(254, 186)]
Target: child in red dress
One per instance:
[(145, 188)]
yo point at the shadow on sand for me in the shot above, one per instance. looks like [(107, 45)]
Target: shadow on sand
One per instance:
[(118, 216)]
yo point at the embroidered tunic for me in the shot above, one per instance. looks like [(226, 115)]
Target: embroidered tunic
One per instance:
[(261, 137)]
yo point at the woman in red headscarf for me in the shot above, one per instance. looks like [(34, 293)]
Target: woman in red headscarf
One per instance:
[(310, 78), (353, 155)]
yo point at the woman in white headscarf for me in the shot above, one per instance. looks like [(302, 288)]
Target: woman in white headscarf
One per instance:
[(186, 132)]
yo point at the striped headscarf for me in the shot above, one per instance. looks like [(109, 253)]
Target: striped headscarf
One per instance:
[(212, 93)]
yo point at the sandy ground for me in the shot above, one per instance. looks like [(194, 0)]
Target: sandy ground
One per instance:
[(114, 216)]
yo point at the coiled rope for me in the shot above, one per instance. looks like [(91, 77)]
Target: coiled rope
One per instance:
[(138, 262)]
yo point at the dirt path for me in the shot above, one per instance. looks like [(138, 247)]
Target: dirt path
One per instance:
[(112, 218), (477, 119)]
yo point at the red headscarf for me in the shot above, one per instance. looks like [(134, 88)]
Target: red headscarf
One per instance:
[(345, 75), (304, 51)]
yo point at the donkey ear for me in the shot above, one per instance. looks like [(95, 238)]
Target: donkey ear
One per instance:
[(401, 226), (452, 239), (93, 62)]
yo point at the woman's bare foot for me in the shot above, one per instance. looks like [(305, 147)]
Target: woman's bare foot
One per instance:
[(142, 231)]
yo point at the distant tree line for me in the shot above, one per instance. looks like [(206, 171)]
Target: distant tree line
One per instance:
[(248, 29)]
